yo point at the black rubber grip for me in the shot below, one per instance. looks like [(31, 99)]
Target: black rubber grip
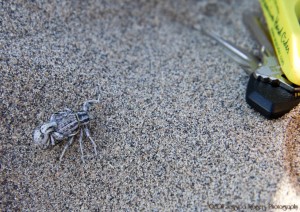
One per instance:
[(271, 101)]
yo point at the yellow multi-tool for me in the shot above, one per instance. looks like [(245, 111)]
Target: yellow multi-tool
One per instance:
[(274, 85), (283, 20)]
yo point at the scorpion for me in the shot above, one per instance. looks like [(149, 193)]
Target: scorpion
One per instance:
[(65, 125)]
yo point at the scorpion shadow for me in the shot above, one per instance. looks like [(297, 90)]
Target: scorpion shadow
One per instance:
[(292, 150)]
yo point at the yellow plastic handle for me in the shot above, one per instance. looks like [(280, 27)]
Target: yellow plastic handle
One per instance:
[(283, 20)]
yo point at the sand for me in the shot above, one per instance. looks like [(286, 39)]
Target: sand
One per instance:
[(173, 129)]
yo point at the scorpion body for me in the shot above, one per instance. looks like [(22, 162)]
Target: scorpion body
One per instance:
[(65, 125), (68, 123)]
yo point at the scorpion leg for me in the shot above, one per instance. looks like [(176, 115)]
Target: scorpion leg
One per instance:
[(81, 145), (87, 132), (66, 147), (52, 140), (58, 136)]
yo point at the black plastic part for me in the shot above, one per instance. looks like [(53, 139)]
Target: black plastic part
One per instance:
[(272, 102)]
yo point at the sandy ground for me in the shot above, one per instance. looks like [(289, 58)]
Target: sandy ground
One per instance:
[(173, 129)]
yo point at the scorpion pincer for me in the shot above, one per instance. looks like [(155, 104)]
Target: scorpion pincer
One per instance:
[(65, 125)]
